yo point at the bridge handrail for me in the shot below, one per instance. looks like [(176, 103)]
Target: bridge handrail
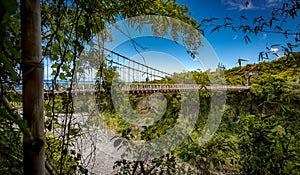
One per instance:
[(82, 87)]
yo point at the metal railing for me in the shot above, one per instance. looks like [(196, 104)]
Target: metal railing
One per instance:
[(136, 88)]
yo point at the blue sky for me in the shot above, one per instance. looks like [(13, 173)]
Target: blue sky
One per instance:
[(229, 45), (226, 44)]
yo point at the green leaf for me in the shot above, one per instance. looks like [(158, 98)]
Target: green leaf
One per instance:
[(8, 7), (55, 65), (227, 18), (62, 76), (16, 53), (243, 17), (247, 39), (80, 47), (278, 28), (214, 19), (55, 47), (260, 57), (275, 45), (257, 29), (216, 28), (21, 123), (54, 73), (83, 170), (9, 67), (233, 28), (60, 36), (55, 57), (65, 68), (4, 114), (98, 74)]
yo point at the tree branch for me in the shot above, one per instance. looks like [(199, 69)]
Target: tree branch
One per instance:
[(49, 168), (16, 116), (10, 109)]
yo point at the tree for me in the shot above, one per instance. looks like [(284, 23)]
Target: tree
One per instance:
[(66, 27), (33, 87), (274, 23)]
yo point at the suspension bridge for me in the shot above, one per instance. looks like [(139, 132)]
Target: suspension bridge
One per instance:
[(137, 77)]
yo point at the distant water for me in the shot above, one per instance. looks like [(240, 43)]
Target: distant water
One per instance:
[(48, 83)]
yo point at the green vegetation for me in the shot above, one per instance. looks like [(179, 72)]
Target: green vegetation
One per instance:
[(259, 132)]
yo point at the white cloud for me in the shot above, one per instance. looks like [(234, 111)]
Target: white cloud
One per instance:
[(272, 3), (196, 59), (239, 4), (264, 36), (250, 4), (274, 50)]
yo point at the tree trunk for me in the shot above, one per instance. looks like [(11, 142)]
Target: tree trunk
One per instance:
[(33, 98)]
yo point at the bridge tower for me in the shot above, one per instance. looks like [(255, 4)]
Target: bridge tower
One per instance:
[(248, 75)]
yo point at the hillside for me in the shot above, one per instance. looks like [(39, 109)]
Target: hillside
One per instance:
[(287, 67)]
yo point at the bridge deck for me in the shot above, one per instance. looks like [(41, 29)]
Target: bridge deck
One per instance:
[(142, 88), (169, 88)]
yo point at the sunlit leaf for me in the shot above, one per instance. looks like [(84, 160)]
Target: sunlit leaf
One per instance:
[(62, 76)]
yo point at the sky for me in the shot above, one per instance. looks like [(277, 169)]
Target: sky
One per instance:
[(225, 45), (229, 45)]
